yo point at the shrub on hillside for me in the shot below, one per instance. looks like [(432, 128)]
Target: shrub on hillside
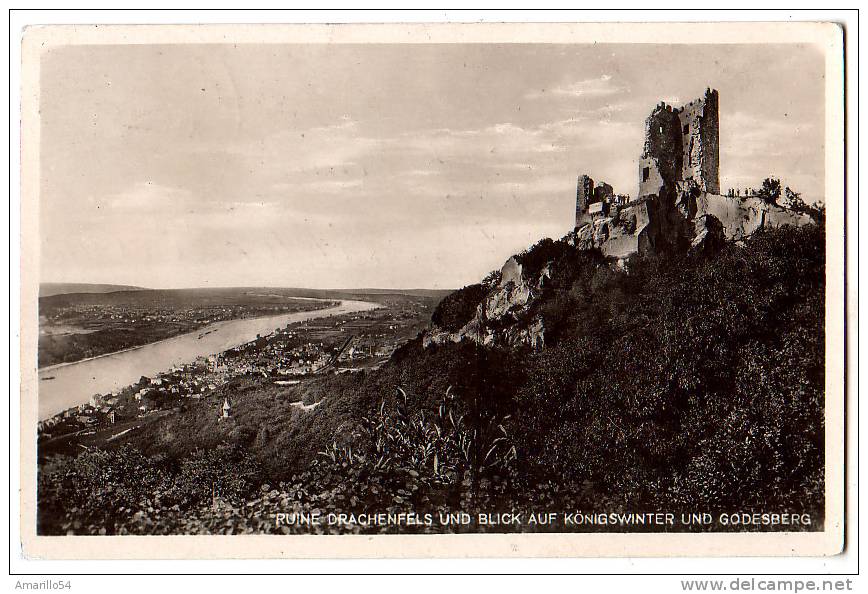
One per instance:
[(457, 308), (446, 443), (98, 491), (226, 472)]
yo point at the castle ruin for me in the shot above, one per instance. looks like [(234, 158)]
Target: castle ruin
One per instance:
[(682, 147), (680, 159), (592, 200), (678, 206), (678, 203)]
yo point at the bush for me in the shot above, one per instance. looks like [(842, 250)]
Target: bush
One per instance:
[(447, 443), (226, 473), (458, 308), (546, 250), (98, 491)]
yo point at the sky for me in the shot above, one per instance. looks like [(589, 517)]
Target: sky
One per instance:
[(392, 166)]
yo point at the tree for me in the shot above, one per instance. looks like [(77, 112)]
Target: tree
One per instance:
[(100, 489), (793, 198), (795, 202), (771, 190), (491, 280), (457, 308), (227, 472)]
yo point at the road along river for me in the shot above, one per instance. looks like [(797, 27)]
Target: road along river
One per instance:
[(73, 384)]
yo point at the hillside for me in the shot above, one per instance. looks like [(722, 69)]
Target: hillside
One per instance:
[(680, 381), (50, 289)]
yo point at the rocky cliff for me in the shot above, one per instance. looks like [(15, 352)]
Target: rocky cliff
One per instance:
[(695, 221), (504, 314)]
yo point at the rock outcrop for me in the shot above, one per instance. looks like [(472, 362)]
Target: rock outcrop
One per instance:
[(744, 216), (709, 235), (503, 317), (683, 223), (698, 221)]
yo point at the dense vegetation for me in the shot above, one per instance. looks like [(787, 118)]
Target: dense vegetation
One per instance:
[(690, 380), (456, 309), (693, 381)]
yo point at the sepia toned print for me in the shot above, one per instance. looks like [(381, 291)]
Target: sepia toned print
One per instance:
[(569, 294)]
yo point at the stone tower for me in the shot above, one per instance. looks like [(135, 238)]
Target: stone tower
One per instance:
[(682, 145), (700, 142), (584, 197), (660, 164), (680, 161)]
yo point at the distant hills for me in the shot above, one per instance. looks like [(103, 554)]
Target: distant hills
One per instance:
[(414, 292), (52, 289), (49, 289)]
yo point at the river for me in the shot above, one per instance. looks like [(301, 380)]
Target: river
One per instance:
[(74, 383)]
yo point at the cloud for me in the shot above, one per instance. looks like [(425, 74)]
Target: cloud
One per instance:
[(330, 186), (150, 196), (340, 175), (344, 123), (603, 86), (419, 173), (761, 135)]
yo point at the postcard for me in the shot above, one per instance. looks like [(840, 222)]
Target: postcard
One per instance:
[(446, 290)]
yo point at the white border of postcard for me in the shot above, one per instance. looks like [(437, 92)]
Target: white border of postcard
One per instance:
[(827, 36)]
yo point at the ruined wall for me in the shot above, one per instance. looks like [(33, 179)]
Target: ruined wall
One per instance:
[(662, 151), (650, 178), (592, 201), (603, 192), (700, 149), (584, 197)]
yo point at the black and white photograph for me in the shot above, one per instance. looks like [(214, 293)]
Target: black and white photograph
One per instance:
[(316, 285)]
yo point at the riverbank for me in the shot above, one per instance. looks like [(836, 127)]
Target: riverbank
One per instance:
[(74, 383), (86, 331), (201, 329)]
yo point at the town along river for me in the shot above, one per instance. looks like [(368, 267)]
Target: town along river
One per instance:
[(72, 384)]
